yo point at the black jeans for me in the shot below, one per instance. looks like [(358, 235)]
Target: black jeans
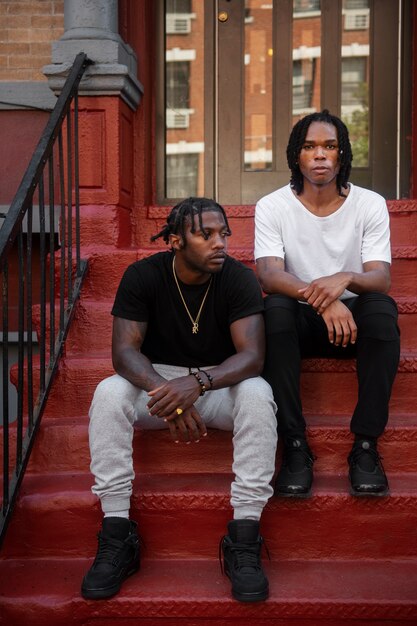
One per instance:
[(295, 331)]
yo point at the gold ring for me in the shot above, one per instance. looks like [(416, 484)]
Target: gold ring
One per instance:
[(179, 411)]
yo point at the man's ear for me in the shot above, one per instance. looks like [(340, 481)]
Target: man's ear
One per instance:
[(176, 242)]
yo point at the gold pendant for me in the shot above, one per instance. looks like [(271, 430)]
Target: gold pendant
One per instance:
[(195, 328)]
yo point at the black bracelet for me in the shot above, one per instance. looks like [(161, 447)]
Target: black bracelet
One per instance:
[(209, 378), (200, 382)]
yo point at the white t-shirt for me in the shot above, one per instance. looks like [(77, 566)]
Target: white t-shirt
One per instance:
[(313, 246)]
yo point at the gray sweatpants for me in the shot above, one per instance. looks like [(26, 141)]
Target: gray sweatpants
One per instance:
[(247, 409)]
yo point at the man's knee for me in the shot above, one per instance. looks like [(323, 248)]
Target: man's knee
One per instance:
[(280, 314), (256, 391), (376, 316), (114, 389)]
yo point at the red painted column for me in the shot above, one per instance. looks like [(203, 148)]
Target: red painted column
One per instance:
[(106, 170)]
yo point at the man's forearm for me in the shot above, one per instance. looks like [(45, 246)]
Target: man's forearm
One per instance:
[(374, 280), (236, 368), (137, 369), (283, 283)]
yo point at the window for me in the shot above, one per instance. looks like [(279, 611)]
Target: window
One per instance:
[(353, 81), (356, 4), (182, 175), (305, 6), (178, 6), (177, 85), (302, 85)]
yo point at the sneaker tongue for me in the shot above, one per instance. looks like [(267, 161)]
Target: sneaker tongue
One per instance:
[(366, 461), (297, 455), (116, 527)]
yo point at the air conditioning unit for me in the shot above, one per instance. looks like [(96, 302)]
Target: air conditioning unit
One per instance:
[(177, 118), (178, 24), (356, 20)]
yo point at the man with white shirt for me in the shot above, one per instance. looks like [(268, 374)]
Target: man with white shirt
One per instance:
[(322, 248)]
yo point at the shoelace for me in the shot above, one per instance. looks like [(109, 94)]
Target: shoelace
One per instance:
[(110, 547), (246, 554), (358, 452), (291, 450)]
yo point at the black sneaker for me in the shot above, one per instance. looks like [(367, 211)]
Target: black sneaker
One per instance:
[(366, 473), (242, 561), (296, 474), (117, 558)]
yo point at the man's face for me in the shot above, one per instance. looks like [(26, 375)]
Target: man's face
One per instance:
[(205, 255), (319, 156)]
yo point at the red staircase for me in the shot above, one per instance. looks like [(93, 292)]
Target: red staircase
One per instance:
[(334, 559)]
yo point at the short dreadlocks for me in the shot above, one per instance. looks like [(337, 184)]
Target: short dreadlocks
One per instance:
[(189, 209), (297, 139)]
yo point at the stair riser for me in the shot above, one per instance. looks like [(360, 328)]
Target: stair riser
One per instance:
[(107, 267), (93, 334), (15, 616), (196, 593), (327, 393), (19, 615), (403, 278), (61, 449), (330, 526), (403, 228), (324, 393), (99, 225)]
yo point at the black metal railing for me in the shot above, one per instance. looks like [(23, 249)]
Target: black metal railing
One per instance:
[(41, 274)]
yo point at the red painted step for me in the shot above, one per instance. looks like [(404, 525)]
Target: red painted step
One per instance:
[(403, 226), (328, 386), (107, 264), (64, 518), (91, 332), (194, 593), (62, 446)]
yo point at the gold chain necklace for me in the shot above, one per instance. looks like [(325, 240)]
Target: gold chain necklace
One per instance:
[(196, 320)]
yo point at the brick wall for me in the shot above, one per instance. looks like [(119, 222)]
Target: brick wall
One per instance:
[(27, 29)]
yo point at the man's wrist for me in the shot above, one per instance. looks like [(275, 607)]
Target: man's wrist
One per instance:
[(350, 277), (200, 381), (210, 379)]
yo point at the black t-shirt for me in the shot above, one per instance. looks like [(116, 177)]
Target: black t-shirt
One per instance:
[(148, 293)]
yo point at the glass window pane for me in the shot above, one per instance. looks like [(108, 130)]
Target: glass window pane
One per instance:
[(184, 98), (182, 171), (306, 54), (177, 85), (258, 86), (355, 77), (305, 6), (178, 6)]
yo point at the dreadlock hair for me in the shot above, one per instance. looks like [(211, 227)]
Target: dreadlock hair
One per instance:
[(297, 139), (189, 209)]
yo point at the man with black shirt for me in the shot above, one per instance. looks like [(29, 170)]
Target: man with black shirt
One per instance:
[(188, 348)]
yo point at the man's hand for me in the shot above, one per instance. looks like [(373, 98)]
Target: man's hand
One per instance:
[(187, 427), (340, 324), (320, 293), (179, 392)]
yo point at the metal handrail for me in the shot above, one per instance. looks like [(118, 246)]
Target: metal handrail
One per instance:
[(49, 273)]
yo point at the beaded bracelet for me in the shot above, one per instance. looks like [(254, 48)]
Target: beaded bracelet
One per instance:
[(200, 382), (209, 378)]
